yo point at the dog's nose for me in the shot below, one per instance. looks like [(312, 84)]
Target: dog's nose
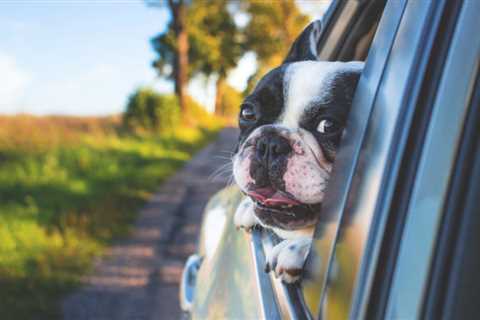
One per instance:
[(272, 147)]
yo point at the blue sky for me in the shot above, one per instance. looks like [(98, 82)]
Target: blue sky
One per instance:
[(83, 57), (75, 57)]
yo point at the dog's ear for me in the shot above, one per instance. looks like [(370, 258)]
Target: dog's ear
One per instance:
[(305, 46)]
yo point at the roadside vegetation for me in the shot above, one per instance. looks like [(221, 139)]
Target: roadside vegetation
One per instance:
[(68, 187)]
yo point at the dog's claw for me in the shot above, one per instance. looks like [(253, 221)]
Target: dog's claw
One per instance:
[(286, 259)]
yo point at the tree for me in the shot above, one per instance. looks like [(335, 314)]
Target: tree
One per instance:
[(211, 43), (172, 48), (215, 42), (214, 45), (271, 30)]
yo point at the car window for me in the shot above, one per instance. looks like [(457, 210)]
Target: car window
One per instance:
[(347, 35), (326, 234)]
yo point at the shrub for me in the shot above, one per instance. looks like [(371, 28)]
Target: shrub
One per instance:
[(196, 112), (150, 111), (231, 101)]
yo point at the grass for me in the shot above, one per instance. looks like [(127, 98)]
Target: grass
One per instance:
[(68, 187)]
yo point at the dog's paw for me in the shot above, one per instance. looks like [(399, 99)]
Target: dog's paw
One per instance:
[(244, 217), (287, 258)]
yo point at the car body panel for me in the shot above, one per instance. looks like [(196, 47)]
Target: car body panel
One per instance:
[(230, 282), (226, 284)]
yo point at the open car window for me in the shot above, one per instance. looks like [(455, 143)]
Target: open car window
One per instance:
[(396, 80), (348, 30)]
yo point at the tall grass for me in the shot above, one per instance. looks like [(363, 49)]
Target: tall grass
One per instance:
[(68, 187)]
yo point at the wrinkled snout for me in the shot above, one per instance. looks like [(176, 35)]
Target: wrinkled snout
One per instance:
[(275, 158), (270, 158), (271, 148)]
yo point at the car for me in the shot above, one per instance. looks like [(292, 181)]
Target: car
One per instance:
[(399, 230)]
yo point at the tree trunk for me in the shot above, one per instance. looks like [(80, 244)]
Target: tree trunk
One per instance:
[(219, 91), (179, 12)]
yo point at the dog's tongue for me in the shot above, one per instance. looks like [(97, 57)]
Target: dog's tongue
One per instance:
[(269, 196)]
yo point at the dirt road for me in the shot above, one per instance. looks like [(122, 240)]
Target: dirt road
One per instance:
[(138, 277)]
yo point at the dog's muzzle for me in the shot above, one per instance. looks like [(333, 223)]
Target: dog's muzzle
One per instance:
[(280, 172)]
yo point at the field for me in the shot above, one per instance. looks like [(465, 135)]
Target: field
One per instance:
[(68, 187)]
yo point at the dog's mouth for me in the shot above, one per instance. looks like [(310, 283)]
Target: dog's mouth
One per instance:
[(271, 197), (279, 209)]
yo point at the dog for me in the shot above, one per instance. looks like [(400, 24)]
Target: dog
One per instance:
[(290, 129)]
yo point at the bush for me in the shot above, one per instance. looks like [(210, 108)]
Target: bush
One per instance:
[(231, 101), (197, 116), (150, 111)]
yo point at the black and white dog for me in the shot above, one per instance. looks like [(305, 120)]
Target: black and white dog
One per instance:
[(290, 126)]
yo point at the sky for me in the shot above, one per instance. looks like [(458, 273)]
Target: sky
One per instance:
[(84, 57)]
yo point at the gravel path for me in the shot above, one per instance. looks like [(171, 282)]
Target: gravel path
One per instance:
[(138, 277)]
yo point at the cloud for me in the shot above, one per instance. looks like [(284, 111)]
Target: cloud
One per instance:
[(13, 81), (99, 89)]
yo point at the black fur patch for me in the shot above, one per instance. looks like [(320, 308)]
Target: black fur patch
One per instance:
[(301, 49), (266, 99)]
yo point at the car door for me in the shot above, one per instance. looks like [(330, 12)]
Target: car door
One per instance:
[(343, 267), (424, 263), (403, 136)]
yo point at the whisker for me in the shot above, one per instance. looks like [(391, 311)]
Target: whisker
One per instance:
[(222, 167), (226, 168), (222, 157)]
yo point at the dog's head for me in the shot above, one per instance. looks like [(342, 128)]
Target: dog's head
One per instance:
[(290, 126)]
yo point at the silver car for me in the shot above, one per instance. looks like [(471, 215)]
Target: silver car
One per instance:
[(401, 241)]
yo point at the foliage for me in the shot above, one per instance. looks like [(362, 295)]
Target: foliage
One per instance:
[(198, 116), (214, 42), (150, 111), (68, 187), (232, 99), (271, 30), (214, 45), (273, 27), (214, 39)]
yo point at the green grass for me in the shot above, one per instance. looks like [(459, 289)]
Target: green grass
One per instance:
[(63, 201)]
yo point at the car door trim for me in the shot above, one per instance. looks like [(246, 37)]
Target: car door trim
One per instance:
[(266, 295), (431, 185)]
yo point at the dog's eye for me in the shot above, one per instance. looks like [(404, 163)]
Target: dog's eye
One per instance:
[(248, 114), (327, 126)]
